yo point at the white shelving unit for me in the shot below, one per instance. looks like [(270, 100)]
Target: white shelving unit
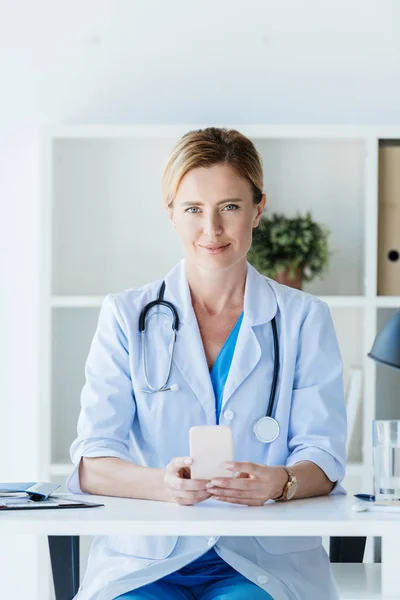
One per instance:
[(104, 229)]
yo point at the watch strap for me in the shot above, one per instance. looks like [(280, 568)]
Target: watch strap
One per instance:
[(292, 480)]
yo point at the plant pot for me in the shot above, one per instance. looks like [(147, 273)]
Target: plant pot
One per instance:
[(296, 282)]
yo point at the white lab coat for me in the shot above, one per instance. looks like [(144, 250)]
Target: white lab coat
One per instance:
[(118, 419)]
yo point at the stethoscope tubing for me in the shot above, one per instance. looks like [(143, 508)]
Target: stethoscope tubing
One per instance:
[(276, 369), (175, 326)]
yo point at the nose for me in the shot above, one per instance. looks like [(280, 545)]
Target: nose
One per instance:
[(212, 225)]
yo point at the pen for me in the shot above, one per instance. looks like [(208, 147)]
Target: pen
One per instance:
[(367, 497)]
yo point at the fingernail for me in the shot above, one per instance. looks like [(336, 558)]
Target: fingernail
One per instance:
[(229, 465), (187, 461), (215, 482), (209, 484)]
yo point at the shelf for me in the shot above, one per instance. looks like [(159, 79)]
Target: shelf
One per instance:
[(107, 231), (328, 132), (358, 581), (388, 301), (91, 301)]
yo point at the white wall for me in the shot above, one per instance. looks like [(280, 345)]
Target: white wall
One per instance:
[(158, 61)]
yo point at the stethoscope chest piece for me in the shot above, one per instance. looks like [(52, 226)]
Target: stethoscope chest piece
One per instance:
[(266, 429)]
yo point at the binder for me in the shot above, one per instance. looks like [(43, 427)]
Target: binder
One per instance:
[(389, 220)]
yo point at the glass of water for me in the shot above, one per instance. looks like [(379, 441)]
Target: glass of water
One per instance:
[(386, 459)]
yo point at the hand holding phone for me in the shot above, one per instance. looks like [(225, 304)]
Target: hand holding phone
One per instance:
[(210, 447), (179, 486)]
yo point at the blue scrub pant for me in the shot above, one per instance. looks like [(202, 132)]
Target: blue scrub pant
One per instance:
[(229, 588)]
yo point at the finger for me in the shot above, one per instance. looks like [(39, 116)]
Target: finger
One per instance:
[(235, 483), (179, 462), (191, 497), (246, 501), (189, 485), (247, 467), (190, 501), (236, 493)]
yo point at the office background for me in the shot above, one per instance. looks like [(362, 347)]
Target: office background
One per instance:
[(155, 63)]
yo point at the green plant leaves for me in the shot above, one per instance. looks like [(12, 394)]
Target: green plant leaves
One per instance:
[(281, 243)]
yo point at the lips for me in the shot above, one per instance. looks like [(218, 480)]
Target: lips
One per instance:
[(215, 247)]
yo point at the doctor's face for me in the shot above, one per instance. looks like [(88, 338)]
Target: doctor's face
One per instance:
[(214, 215)]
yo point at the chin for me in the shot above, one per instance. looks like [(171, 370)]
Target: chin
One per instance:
[(216, 264)]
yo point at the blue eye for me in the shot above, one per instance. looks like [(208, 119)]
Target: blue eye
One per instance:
[(194, 210)]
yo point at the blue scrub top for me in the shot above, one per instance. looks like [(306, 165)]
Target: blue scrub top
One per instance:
[(210, 566), (220, 370)]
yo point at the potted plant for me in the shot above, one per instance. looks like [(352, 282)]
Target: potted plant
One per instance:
[(290, 250)]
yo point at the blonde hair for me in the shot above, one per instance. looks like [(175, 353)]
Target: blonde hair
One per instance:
[(206, 147)]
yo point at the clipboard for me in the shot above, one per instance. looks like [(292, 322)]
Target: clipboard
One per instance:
[(36, 490), (55, 502)]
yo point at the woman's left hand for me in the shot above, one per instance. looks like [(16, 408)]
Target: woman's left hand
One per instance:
[(253, 485)]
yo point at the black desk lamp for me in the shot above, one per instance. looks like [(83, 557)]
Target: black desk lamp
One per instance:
[(386, 347)]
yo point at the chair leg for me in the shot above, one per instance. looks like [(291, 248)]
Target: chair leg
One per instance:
[(64, 556), (347, 549)]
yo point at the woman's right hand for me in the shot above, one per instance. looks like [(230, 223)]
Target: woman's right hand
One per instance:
[(179, 487)]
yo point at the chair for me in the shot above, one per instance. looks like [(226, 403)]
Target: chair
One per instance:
[(347, 549), (64, 556)]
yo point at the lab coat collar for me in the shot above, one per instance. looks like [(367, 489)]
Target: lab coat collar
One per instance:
[(260, 306), (260, 303)]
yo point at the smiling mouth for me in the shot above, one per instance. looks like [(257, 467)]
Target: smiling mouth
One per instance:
[(215, 247)]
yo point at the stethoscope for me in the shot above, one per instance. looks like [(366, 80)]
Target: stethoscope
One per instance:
[(266, 429)]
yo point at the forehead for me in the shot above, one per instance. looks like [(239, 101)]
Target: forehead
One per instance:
[(215, 182)]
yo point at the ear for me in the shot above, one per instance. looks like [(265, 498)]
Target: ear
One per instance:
[(170, 213), (260, 209)]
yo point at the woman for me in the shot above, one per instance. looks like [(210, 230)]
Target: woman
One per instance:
[(135, 444)]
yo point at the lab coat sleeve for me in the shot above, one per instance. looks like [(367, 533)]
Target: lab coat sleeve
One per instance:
[(318, 423), (107, 399)]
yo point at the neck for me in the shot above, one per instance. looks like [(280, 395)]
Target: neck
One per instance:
[(214, 293)]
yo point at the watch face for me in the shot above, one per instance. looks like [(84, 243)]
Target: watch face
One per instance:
[(291, 491)]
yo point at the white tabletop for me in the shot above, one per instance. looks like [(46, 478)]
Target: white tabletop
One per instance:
[(326, 516)]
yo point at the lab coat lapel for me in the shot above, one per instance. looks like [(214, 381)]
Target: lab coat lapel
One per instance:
[(189, 355), (260, 306)]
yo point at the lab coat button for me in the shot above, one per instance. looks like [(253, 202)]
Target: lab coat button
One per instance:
[(211, 541), (229, 415), (262, 579)]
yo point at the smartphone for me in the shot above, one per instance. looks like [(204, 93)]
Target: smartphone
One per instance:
[(210, 446)]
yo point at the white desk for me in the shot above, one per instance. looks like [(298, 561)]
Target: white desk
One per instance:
[(325, 516)]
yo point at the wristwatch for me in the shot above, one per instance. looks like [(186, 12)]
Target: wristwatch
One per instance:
[(290, 487)]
